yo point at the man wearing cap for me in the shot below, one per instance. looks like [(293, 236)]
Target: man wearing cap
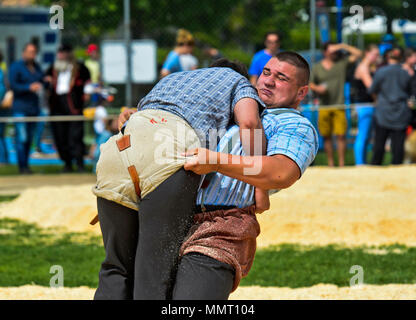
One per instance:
[(180, 58), (327, 82), (93, 66)]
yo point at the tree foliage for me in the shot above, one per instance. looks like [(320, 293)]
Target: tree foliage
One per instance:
[(219, 23), (232, 22)]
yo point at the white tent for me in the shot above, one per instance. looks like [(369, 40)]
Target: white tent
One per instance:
[(377, 24)]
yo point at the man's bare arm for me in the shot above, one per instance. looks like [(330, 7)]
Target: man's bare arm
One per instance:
[(124, 116), (355, 53), (276, 172), (245, 111), (246, 115), (318, 88)]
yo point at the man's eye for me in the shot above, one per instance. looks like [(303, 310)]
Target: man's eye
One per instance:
[(266, 73)]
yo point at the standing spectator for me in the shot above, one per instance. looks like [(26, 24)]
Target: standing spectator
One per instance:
[(363, 77), (104, 128), (93, 65), (327, 82), (272, 43), (68, 78), (4, 112), (25, 78), (180, 58), (391, 85), (110, 128), (409, 65), (387, 43), (40, 126), (212, 54)]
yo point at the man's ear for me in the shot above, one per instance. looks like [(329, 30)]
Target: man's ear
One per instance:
[(302, 92)]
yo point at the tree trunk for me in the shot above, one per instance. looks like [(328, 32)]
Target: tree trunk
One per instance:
[(389, 24)]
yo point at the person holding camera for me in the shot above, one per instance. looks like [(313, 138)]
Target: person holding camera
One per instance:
[(327, 82)]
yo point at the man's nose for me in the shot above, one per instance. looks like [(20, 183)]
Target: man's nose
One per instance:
[(269, 82)]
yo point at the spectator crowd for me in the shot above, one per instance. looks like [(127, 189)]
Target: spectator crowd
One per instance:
[(382, 90), (382, 79)]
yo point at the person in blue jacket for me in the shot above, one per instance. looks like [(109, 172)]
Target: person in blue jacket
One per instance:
[(272, 43), (26, 80), (4, 112)]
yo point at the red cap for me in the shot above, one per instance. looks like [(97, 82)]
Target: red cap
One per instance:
[(92, 47)]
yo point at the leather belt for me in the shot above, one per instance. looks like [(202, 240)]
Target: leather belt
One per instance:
[(122, 144)]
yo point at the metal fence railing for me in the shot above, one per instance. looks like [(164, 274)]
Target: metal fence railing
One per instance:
[(88, 118)]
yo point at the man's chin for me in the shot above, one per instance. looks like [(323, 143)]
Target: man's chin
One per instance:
[(266, 99), (281, 104)]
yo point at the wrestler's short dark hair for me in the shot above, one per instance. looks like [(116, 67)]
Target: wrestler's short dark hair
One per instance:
[(235, 65), (299, 62)]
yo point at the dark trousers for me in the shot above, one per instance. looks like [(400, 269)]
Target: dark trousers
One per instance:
[(142, 249), (68, 135), (119, 227), (201, 277), (397, 138), (24, 133), (4, 154)]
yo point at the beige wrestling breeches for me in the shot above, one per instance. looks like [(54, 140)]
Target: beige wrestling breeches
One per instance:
[(133, 164)]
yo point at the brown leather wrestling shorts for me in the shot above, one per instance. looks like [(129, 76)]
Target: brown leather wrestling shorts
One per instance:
[(228, 236)]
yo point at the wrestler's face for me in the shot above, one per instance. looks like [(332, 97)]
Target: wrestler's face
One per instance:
[(278, 85)]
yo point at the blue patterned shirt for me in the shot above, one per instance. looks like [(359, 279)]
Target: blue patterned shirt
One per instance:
[(205, 98), (289, 134)]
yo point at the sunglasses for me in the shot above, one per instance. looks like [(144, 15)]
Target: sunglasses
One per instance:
[(186, 44)]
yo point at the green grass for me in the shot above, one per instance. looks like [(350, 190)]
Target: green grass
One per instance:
[(8, 170), (6, 198), (27, 253), (303, 266)]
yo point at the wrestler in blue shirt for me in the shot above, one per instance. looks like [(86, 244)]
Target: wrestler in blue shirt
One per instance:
[(287, 133), (220, 247)]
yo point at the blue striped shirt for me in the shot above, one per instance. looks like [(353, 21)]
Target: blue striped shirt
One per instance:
[(289, 134), (205, 98)]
